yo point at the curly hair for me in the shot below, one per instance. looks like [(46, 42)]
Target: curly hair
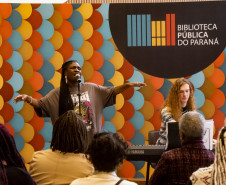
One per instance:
[(173, 102), (69, 134), (106, 151), (192, 125)]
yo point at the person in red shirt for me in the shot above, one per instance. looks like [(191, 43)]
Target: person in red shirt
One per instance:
[(177, 165)]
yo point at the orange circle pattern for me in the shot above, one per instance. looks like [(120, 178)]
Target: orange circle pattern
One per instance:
[(212, 88)]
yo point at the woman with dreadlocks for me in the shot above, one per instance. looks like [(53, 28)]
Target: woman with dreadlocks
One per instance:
[(216, 173), (65, 161), (12, 168), (179, 100), (93, 98)]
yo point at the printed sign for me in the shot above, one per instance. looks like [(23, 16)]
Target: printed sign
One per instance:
[(169, 40)]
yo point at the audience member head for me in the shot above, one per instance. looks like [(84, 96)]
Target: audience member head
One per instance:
[(219, 166), (192, 126), (181, 94), (9, 154), (68, 72), (106, 151), (69, 134)]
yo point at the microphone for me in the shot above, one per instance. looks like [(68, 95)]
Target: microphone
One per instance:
[(78, 78)]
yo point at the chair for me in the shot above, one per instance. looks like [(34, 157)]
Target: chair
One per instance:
[(153, 136), (173, 141), (173, 137)]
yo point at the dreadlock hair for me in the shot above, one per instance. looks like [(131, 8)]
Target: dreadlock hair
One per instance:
[(65, 100), (219, 165), (173, 102), (8, 154), (69, 134), (106, 151)]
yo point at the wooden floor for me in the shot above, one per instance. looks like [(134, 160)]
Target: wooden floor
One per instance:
[(138, 181)]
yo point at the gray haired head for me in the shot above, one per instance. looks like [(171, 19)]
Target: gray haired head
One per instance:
[(192, 125)]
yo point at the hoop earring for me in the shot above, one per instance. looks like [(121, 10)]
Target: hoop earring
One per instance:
[(65, 79)]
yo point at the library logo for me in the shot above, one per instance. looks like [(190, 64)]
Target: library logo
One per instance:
[(169, 40), (143, 31)]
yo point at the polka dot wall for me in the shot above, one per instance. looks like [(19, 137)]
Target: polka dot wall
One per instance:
[(35, 40)]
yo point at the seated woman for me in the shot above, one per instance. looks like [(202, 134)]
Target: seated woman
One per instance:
[(12, 168), (180, 100), (215, 174), (65, 161), (106, 152)]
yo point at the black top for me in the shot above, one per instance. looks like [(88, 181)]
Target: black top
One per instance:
[(184, 110), (18, 176)]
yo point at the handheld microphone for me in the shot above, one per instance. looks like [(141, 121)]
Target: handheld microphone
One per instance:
[(78, 78)]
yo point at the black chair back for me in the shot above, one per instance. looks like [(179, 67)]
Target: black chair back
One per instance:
[(153, 136), (173, 136)]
